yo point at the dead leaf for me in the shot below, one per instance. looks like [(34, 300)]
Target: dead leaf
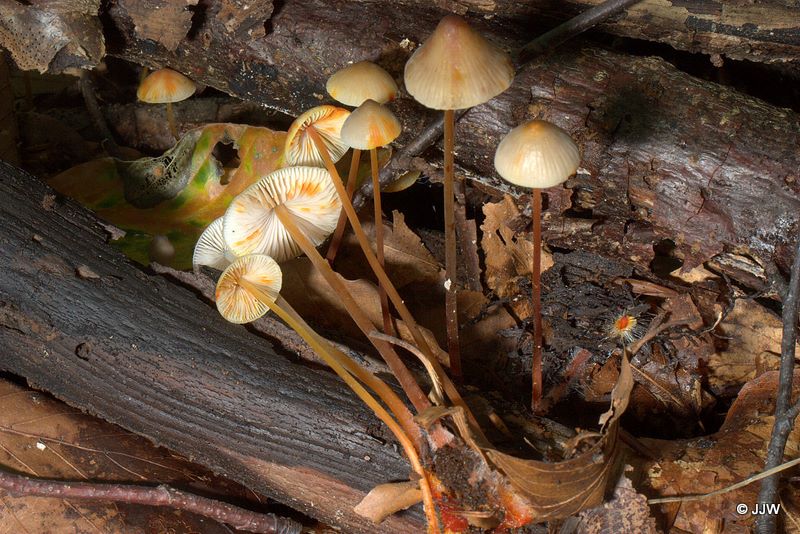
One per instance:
[(753, 345), (508, 253), (52, 35), (705, 464), (628, 511), (42, 437), (387, 499)]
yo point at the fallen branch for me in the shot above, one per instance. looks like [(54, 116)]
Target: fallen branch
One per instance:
[(784, 414), (239, 518)]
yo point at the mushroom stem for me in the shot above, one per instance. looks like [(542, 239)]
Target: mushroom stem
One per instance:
[(391, 291), (376, 200), (407, 382), (171, 121), (450, 255), (341, 226), (536, 284), (328, 353), (386, 394)]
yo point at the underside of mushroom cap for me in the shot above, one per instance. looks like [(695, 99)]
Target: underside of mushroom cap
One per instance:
[(211, 249), (251, 226), (165, 86), (371, 125), (359, 82), (537, 154), (236, 300), (456, 68), (327, 120)]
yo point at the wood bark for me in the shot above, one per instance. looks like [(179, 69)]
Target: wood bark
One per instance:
[(79, 320), (665, 155)]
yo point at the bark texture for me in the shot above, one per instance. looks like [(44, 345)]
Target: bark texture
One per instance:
[(666, 156), (79, 320)]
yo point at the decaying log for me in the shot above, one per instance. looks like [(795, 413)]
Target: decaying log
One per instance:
[(79, 320), (666, 156)]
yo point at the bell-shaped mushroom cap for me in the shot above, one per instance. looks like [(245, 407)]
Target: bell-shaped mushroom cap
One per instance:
[(211, 249), (327, 120), (164, 86), (251, 227), (371, 125), (537, 154), (245, 284), (457, 68), (361, 81)]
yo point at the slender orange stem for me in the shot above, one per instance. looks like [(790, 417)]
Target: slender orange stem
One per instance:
[(376, 201), (407, 382), (324, 349), (391, 291), (536, 283), (450, 254), (341, 226)]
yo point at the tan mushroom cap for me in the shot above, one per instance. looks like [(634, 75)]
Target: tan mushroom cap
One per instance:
[(371, 125), (211, 249), (359, 82), (327, 120), (165, 86), (457, 68), (243, 286), (537, 154), (250, 225)]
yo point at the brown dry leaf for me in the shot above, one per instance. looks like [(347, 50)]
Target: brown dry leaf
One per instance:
[(628, 511), (163, 21), (42, 437), (561, 489), (52, 35), (308, 292), (387, 499), (705, 464), (508, 253), (754, 345)]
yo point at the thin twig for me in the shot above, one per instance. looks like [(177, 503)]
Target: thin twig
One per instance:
[(93, 107), (741, 484), (541, 45), (241, 519), (784, 414)]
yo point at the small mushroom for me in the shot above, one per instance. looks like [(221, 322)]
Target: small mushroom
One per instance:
[(250, 287), (537, 155), (326, 122), (455, 68), (370, 126), (211, 249), (166, 86), (352, 86), (161, 250)]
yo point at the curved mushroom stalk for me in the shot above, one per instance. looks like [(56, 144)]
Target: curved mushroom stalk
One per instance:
[(250, 287), (341, 226)]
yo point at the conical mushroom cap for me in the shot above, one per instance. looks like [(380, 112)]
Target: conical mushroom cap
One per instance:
[(164, 86), (371, 125), (537, 154), (361, 81), (457, 68), (211, 249), (250, 225), (327, 120), (243, 286)]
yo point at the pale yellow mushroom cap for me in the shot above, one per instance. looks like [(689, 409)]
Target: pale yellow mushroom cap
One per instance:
[(165, 86), (456, 68), (250, 225), (371, 125), (537, 154), (245, 284), (361, 81), (327, 120), (211, 249)]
